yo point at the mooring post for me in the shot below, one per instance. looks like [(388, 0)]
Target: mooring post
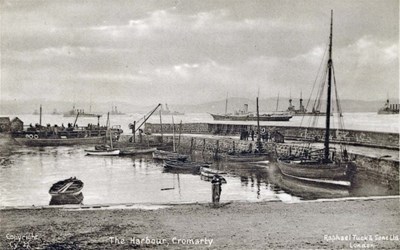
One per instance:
[(191, 145), (216, 150), (204, 145), (133, 132), (233, 147)]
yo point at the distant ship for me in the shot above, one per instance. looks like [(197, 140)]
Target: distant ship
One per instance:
[(114, 111), (389, 109), (35, 112), (55, 112), (74, 112), (166, 111), (302, 110), (245, 115)]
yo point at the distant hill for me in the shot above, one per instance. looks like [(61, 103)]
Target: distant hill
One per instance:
[(234, 103)]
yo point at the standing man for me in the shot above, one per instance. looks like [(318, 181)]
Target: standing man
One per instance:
[(216, 183), (252, 135)]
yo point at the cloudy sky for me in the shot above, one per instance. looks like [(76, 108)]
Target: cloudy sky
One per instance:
[(188, 52)]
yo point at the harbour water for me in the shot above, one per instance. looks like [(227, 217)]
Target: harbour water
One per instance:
[(140, 179)]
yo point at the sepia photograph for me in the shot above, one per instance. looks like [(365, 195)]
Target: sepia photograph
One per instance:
[(199, 124)]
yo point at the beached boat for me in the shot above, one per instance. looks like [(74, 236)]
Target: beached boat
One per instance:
[(209, 172), (66, 199), (184, 166), (326, 167), (167, 155), (70, 186)]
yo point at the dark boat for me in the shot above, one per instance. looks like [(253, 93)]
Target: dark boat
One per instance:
[(326, 167), (247, 157), (184, 166), (82, 113), (167, 155), (70, 186), (66, 199), (252, 117)]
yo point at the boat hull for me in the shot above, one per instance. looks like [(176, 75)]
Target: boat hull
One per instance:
[(247, 157), (114, 152), (334, 173), (280, 118), (60, 141), (166, 155), (209, 172)]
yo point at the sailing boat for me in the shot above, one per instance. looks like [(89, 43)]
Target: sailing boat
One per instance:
[(105, 150), (326, 167)]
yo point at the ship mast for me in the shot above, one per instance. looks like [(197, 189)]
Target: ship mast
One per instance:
[(328, 99)]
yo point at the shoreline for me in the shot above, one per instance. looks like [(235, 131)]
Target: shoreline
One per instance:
[(266, 225)]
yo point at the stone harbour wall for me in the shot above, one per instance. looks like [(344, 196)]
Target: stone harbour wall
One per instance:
[(351, 137)]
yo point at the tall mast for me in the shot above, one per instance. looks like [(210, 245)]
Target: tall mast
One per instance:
[(226, 104), (277, 103), (258, 128), (328, 99)]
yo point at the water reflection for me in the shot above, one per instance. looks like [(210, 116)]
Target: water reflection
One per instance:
[(140, 179)]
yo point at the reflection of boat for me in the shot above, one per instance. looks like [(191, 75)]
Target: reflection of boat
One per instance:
[(389, 109), (327, 167), (184, 166), (66, 199), (74, 112), (166, 111), (166, 155), (312, 190), (245, 115), (247, 157), (70, 186), (136, 150), (209, 172)]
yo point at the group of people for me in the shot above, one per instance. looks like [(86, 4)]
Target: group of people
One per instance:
[(246, 135)]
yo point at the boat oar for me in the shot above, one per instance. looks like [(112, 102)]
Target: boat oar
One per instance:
[(164, 189)]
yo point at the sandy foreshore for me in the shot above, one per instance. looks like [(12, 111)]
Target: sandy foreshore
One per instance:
[(357, 224)]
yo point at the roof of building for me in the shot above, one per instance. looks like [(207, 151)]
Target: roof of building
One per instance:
[(16, 119), (4, 119)]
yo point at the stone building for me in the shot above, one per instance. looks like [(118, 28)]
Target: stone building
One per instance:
[(5, 124), (17, 124)]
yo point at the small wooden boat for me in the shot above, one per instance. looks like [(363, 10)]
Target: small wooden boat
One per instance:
[(70, 186), (248, 157), (166, 155), (135, 151), (103, 152), (184, 166), (209, 172)]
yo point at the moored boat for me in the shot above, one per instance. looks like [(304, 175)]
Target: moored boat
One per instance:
[(167, 155), (327, 167), (70, 186), (252, 117), (184, 166), (103, 152), (247, 157)]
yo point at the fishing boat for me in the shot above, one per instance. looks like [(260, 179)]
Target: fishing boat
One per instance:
[(70, 186), (326, 166), (167, 155), (184, 166), (209, 172)]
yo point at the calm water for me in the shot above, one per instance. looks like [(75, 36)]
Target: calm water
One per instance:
[(116, 180)]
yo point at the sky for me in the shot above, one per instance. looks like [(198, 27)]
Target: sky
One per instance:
[(190, 52)]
